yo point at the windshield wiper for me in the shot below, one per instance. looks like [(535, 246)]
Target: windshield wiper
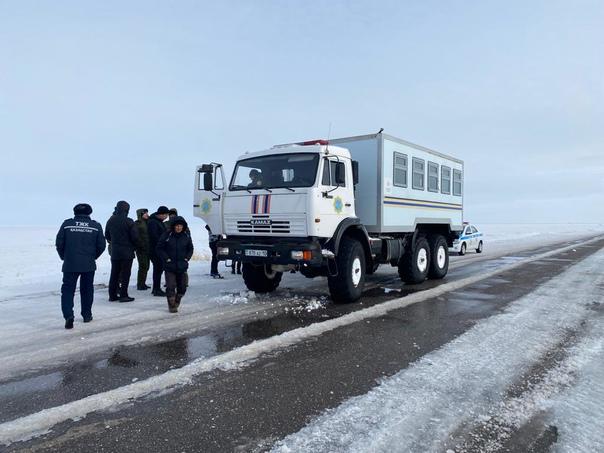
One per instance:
[(238, 187), (284, 187)]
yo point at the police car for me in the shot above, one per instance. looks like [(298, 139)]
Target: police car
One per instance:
[(470, 238)]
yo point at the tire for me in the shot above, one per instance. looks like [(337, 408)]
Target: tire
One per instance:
[(439, 257), (462, 250), (257, 278), (347, 286), (479, 249), (414, 265)]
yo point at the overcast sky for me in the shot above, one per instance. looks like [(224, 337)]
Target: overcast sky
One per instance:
[(102, 101)]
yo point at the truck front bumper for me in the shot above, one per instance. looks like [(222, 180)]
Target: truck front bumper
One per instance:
[(271, 250)]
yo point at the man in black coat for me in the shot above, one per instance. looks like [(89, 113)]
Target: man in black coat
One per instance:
[(79, 243), (175, 248), (122, 236), (156, 226)]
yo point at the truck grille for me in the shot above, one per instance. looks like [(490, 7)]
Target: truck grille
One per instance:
[(275, 226), (266, 225)]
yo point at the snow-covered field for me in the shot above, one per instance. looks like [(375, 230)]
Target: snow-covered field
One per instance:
[(30, 262)]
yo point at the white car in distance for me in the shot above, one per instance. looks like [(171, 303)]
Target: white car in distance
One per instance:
[(469, 239)]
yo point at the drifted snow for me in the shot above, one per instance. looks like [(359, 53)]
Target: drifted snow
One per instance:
[(421, 406)]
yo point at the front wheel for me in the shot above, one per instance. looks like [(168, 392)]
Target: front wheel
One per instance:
[(439, 259), (259, 278), (479, 249), (462, 250), (415, 264), (347, 286)]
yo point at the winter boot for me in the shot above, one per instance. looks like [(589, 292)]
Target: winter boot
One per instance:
[(126, 298), (172, 304), (142, 287), (159, 293), (178, 299), (69, 323)]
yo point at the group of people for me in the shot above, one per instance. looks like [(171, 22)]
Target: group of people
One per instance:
[(162, 239)]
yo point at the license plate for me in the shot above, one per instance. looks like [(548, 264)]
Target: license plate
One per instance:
[(252, 252)]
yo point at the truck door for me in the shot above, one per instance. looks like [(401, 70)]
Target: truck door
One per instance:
[(337, 202), (208, 196)]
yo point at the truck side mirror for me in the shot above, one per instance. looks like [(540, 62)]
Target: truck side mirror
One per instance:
[(207, 182), (340, 174), (355, 172)]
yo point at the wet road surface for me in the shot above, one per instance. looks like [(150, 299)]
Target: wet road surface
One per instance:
[(250, 409), (120, 366)]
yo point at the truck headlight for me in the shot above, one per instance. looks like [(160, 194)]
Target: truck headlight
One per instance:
[(300, 255), (222, 250)]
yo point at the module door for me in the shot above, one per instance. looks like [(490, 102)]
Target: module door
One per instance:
[(209, 194)]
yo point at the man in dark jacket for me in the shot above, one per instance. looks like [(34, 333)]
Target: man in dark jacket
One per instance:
[(156, 227), (142, 249), (175, 248), (121, 234), (79, 243)]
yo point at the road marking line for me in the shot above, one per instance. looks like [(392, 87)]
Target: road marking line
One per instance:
[(40, 423)]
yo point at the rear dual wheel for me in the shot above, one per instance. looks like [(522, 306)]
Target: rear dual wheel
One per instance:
[(429, 258), (415, 263), (439, 264)]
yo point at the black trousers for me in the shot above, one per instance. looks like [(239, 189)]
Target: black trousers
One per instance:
[(176, 283), (158, 269), (143, 268), (68, 288), (214, 263), (120, 278)]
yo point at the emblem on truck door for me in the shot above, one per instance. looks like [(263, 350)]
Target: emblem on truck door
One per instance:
[(206, 206), (338, 204)]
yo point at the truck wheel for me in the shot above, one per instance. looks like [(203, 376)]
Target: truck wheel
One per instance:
[(479, 249), (347, 286), (258, 279), (415, 265), (462, 250), (439, 259)]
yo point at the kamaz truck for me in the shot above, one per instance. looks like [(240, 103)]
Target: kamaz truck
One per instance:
[(335, 209)]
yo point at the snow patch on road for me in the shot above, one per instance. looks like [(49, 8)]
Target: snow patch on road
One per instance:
[(418, 408)]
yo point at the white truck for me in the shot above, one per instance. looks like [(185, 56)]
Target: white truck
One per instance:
[(335, 209)]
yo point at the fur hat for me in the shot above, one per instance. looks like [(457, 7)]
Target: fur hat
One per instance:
[(163, 210), (82, 209)]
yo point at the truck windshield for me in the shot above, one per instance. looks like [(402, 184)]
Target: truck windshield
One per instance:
[(279, 170)]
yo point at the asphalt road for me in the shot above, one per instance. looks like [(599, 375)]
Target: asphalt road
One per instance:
[(250, 408)]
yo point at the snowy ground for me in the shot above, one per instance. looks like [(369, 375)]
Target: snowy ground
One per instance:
[(458, 395), (30, 276)]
